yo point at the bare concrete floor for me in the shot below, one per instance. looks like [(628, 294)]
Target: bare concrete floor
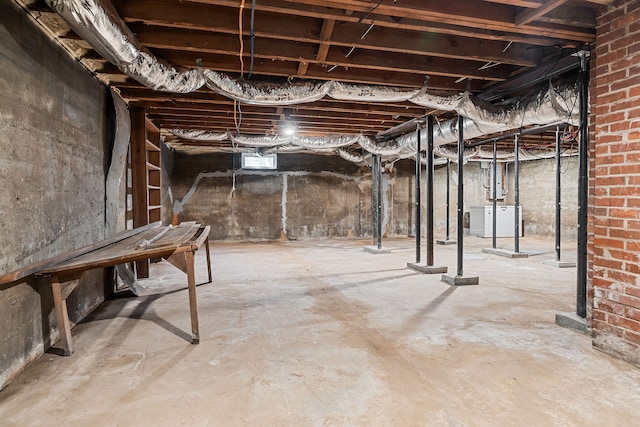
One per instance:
[(325, 334)]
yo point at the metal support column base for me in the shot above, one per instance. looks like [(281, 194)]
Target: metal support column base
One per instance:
[(559, 264), (446, 242), (427, 269), (505, 253), (572, 321), (460, 280), (376, 250)]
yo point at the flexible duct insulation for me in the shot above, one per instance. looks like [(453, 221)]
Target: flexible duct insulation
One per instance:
[(199, 135), (97, 22)]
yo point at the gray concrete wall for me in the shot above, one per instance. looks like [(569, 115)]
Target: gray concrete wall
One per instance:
[(53, 139), (308, 196), (314, 196), (537, 196)]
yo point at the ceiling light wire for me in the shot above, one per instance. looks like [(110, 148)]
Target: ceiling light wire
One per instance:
[(367, 32), (253, 36), (370, 11), (240, 37)]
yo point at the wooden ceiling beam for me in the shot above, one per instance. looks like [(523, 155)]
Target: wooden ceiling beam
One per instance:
[(339, 109), (273, 115), (468, 13), (197, 16), (379, 39), (530, 15), (325, 36), (198, 41)]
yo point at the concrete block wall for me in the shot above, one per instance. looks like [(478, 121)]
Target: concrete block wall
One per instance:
[(54, 133), (615, 210)]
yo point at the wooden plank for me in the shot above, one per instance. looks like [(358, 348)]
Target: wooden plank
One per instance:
[(42, 265), (270, 15), (325, 36), (208, 252), (131, 249), (193, 303), (178, 260), (529, 15), (62, 316)]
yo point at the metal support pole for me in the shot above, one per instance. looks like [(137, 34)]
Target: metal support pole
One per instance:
[(429, 191), (374, 199), (459, 270), (583, 187), (418, 193), (379, 201), (494, 183), (558, 195), (448, 195), (516, 162)]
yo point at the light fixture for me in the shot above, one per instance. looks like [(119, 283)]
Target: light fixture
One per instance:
[(289, 129)]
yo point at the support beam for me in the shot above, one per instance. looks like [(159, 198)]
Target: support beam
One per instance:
[(446, 240), (376, 207), (557, 262), (429, 267), (530, 15), (583, 186), (494, 183), (516, 185), (460, 279), (516, 226), (418, 193), (325, 36)]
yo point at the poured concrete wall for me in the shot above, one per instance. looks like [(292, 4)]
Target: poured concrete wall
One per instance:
[(53, 137), (538, 192), (316, 197), (308, 196)]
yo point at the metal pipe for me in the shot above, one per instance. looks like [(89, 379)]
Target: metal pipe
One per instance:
[(379, 210), (448, 196), (374, 201), (516, 179), (418, 192), (460, 194), (583, 187), (494, 182), (429, 190), (558, 195)]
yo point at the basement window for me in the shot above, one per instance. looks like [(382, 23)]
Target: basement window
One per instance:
[(257, 161)]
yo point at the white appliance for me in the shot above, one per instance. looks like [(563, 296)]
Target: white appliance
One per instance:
[(481, 221)]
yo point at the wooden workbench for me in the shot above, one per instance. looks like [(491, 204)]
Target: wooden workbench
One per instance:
[(176, 244)]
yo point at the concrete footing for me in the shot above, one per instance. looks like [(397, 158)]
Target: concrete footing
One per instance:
[(559, 264), (446, 242), (427, 269), (571, 320), (376, 250), (505, 253), (460, 280)]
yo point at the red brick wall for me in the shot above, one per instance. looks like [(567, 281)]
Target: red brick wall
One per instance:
[(614, 220)]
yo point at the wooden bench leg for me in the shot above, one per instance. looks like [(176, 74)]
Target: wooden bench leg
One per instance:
[(62, 316), (206, 248), (193, 304)]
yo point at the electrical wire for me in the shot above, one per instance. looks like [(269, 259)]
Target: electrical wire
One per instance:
[(253, 36), (240, 37), (370, 11)]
